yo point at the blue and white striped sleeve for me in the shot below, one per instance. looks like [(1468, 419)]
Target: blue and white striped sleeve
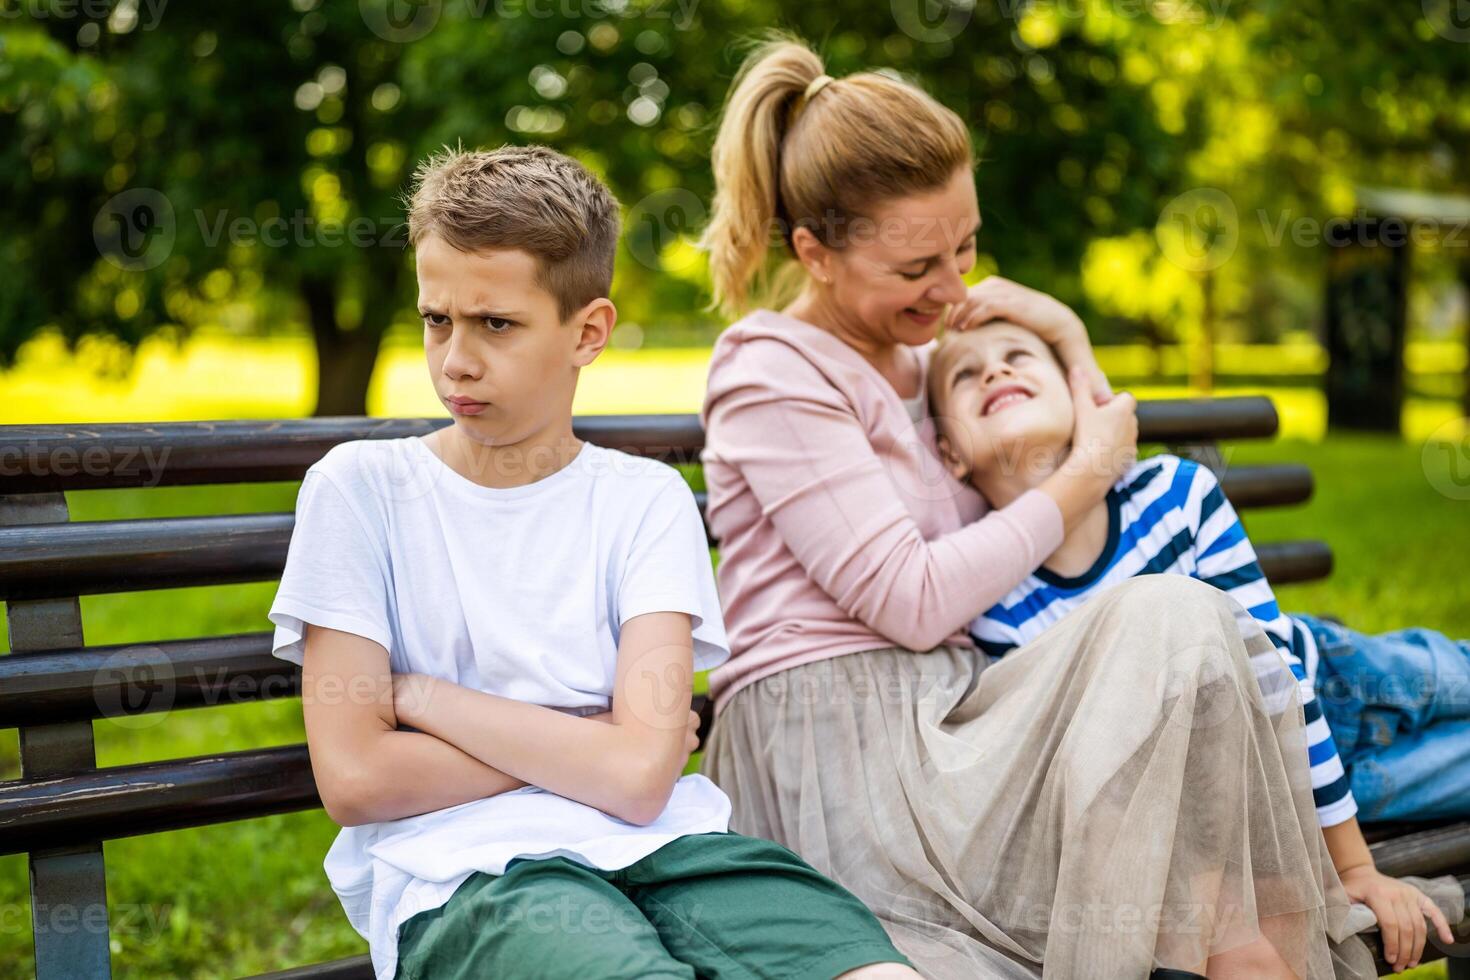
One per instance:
[(1225, 559)]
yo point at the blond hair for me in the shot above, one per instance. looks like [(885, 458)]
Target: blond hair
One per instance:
[(530, 198), (784, 160)]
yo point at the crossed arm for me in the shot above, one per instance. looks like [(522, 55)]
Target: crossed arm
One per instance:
[(471, 745)]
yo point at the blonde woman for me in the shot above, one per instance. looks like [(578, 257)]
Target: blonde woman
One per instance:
[(1115, 798)]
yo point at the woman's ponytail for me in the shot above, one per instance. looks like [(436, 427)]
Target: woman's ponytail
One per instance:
[(746, 163)]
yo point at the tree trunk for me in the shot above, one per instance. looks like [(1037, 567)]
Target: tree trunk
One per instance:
[(345, 358), (1465, 291), (1203, 373)]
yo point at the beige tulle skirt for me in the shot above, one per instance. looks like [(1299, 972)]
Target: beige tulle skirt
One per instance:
[(1129, 790)]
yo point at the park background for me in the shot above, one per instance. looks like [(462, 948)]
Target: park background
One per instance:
[(201, 219)]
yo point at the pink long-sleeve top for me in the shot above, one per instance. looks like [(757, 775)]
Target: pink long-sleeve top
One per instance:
[(840, 530)]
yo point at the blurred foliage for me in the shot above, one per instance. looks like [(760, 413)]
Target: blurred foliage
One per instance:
[(279, 139)]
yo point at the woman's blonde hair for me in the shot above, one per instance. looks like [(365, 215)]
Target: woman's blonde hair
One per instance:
[(783, 160)]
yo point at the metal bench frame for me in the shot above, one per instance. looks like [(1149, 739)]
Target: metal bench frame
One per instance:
[(52, 685)]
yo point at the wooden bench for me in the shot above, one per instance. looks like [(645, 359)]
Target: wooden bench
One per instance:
[(63, 807)]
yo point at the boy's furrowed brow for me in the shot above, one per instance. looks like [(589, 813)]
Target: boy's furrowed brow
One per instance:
[(501, 314), (428, 309)]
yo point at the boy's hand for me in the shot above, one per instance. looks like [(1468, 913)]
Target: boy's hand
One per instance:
[(998, 298), (691, 736), (1401, 910), (691, 731)]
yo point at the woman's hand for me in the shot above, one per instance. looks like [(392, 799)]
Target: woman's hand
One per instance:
[(1104, 436), (998, 298), (1401, 910)]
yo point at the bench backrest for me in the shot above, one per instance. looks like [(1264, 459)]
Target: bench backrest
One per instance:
[(52, 685)]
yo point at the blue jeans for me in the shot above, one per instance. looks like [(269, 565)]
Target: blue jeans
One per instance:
[(1398, 705)]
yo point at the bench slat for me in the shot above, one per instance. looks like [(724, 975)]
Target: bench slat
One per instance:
[(351, 968), (1271, 485), (1285, 562), (108, 456), (138, 678), (90, 557), (34, 458), (122, 801), (1434, 851)]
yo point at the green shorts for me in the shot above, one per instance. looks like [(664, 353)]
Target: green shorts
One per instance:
[(710, 905)]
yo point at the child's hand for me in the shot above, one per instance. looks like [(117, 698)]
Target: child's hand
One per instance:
[(691, 736), (1401, 909), (691, 732)]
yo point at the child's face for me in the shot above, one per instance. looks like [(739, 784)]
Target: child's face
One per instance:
[(492, 335), (998, 391)]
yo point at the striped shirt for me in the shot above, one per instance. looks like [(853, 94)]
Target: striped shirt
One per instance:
[(1169, 515)]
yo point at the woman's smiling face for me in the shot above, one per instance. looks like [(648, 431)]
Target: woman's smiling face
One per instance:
[(998, 392), (894, 273)]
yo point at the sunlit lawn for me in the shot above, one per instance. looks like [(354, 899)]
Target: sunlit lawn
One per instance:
[(249, 897)]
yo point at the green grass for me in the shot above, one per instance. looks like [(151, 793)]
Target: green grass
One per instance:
[(249, 897)]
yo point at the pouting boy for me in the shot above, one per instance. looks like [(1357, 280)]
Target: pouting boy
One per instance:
[(498, 625)]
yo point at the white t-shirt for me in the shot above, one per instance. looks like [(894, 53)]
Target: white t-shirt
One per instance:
[(919, 404), (914, 406), (519, 592)]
